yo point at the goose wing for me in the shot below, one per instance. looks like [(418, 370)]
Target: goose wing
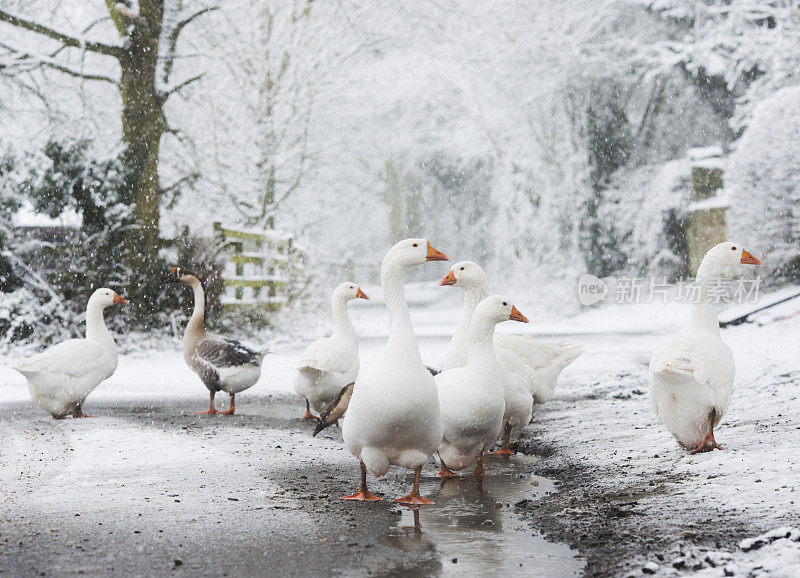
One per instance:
[(707, 361), (74, 357), (538, 354), (324, 355), (335, 409), (223, 352)]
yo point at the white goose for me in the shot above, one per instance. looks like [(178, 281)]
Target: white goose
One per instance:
[(393, 417), (223, 364), (61, 377), (472, 397), (519, 403), (330, 363), (535, 364), (691, 372)]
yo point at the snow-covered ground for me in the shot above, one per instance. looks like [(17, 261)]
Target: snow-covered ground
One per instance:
[(600, 418)]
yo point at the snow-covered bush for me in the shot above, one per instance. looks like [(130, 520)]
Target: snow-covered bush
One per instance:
[(64, 175), (9, 204), (764, 178), (745, 48), (59, 269)]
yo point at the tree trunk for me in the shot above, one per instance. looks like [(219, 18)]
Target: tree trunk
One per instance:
[(140, 27), (143, 124)]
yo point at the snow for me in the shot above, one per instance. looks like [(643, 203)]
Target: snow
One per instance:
[(764, 172), (27, 216), (715, 202), (702, 153), (754, 479), (774, 554), (466, 122)]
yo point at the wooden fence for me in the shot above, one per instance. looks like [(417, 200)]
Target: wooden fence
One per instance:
[(259, 266)]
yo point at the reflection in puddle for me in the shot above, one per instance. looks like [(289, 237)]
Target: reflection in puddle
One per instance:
[(475, 531)]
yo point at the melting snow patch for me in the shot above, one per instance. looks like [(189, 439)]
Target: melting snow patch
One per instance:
[(775, 554)]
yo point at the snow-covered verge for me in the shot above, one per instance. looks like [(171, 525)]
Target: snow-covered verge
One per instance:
[(633, 501), (775, 553)]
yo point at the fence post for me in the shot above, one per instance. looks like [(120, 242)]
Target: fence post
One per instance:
[(256, 272), (706, 224)]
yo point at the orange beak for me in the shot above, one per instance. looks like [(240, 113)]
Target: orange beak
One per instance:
[(435, 254), (749, 259), (449, 279), (361, 294), (118, 299), (517, 316)]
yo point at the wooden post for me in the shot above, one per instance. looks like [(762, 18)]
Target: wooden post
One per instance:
[(257, 273), (706, 224)]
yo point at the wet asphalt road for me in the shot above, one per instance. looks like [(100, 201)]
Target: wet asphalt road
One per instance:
[(158, 491)]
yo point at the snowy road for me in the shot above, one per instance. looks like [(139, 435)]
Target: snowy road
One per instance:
[(150, 489)]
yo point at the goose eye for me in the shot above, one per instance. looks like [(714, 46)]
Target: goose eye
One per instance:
[(415, 245), (733, 248), (505, 304), (462, 268)]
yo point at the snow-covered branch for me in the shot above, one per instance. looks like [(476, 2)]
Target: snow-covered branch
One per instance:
[(65, 39), (172, 40)]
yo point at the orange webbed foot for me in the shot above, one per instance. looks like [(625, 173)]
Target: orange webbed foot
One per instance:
[(504, 451), (707, 445), (362, 496), (413, 499), (445, 472)]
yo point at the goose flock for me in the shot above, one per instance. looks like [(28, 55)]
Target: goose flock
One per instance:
[(397, 411)]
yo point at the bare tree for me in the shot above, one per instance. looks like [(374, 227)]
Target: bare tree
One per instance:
[(279, 57), (143, 55)]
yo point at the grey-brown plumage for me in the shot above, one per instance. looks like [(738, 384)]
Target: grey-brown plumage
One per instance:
[(224, 352), (212, 354), (222, 364), (335, 409)]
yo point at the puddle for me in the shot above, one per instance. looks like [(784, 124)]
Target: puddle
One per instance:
[(473, 535)]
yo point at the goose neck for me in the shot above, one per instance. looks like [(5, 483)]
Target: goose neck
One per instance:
[(457, 353), (342, 326), (95, 322), (401, 332), (704, 313), (473, 295), (481, 341), (196, 327)]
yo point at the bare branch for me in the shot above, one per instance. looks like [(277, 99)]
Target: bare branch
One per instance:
[(77, 73), (303, 158), (61, 37), (27, 62), (26, 87), (165, 95), (173, 39), (116, 17), (174, 186)]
